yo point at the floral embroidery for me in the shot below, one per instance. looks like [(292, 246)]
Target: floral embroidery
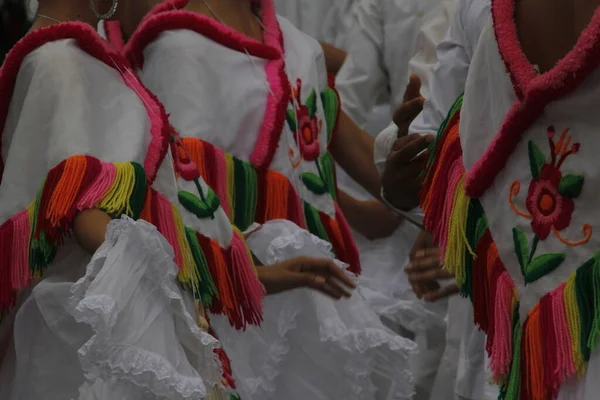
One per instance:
[(304, 123), (549, 204), (306, 126)]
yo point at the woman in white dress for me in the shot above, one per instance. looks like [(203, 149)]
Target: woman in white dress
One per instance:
[(266, 117), (522, 121), (83, 141)]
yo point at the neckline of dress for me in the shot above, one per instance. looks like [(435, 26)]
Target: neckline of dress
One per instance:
[(164, 18), (534, 91)]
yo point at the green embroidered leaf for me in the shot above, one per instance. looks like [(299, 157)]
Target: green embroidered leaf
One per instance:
[(542, 265), (571, 186), (290, 116), (521, 248), (536, 159), (313, 183), (196, 206), (311, 104), (331, 107)]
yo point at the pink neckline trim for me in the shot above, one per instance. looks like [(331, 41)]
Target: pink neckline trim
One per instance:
[(534, 91), (89, 41), (162, 18), (114, 35)]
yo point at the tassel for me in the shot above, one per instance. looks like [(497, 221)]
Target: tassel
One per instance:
[(99, 187), (7, 294), (207, 290), (19, 251), (249, 289)]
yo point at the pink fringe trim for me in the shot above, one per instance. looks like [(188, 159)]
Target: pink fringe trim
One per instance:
[(250, 291)]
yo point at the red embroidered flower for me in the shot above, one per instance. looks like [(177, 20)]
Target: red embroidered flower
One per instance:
[(307, 134), (304, 123), (547, 207)]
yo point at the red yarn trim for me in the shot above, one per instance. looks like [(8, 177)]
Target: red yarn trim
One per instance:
[(114, 35), (162, 18), (534, 91), (90, 42)]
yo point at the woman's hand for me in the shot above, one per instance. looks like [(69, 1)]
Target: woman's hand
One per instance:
[(320, 274), (426, 268)]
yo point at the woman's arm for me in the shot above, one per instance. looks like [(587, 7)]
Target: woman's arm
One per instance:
[(352, 149), (89, 227), (371, 218), (334, 58)]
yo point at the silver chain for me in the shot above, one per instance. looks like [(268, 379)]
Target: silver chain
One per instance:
[(108, 14)]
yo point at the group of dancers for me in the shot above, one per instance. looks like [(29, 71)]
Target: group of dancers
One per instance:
[(298, 199)]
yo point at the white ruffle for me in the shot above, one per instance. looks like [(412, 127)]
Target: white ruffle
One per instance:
[(126, 295), (309, 345)]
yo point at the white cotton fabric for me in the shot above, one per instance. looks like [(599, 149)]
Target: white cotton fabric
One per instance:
[(219, 95), (339, 23), (309, 16), (386, 36), (319, 348), (121, 328)]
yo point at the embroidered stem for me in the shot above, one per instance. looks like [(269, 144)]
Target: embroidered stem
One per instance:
[(199, 188), (534, 244), (515, 188), (318, 164), (586, 230)]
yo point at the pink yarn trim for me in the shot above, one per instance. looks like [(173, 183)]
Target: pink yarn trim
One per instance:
[(20, 273), (97, 189), (250, 291), (89, 41), (114, 35), (160, 20), (533, 91), (565, 365), (165, 225), (501, 355)]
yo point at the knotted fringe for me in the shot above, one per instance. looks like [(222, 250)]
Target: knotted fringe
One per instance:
[(30, 239), (261, 196), (528, 360)]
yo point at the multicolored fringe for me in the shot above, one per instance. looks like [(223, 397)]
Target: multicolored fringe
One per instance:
[(529, 360), (30, 240), (249, 196)]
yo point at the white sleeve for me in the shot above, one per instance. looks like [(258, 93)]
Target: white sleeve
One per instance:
[(363, 77), (65, 103), (448, 78), (431, 34)]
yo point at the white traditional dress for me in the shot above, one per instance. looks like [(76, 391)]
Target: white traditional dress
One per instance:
[(257, 121), (81, 131), (516, 157)]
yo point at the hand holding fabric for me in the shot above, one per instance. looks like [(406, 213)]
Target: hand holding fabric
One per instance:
[(320, 274)]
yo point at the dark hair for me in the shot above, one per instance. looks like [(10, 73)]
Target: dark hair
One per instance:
[(13, 24)]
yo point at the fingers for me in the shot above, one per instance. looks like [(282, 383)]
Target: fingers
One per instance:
[(326, 285), (340, 274), (325, 276), (406, 113), (444, 292), (408, 152), (413, 89)]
